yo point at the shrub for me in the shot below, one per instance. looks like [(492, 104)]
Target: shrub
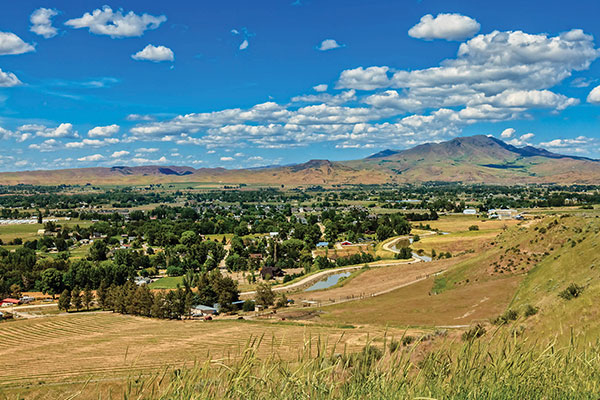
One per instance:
[(474, 333), (509, 315), (474, 228), (530, 310), (394, 346), (248, 306), (174, 271), (572, 291), (282, 301), (406, 340), (404, 254)]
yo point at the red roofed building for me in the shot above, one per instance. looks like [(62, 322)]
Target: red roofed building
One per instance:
[(10, 302)]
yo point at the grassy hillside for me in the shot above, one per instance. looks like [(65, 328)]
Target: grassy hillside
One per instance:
[(576, 261)]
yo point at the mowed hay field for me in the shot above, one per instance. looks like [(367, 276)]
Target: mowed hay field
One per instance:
[(461, 223), (415, 305), (456, 242), (53, 357)]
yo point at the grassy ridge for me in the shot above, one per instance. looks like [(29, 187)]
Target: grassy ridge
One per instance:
[(502, 368)]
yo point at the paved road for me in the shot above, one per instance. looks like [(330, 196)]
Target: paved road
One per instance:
[(390, 246)]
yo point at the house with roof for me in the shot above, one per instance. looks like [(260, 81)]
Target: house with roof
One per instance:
[(9, 302), (201, 310)]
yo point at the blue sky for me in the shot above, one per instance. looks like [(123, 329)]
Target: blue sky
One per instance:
[(243, 84)]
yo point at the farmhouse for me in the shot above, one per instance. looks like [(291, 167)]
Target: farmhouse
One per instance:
[(9, 302), (346, 243), (26, 299), (202, 310)]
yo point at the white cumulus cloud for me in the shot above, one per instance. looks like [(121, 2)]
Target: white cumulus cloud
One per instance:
[(92, 157), (41, 22), (244, 44), (495, 77), (104, 131), (119, 154), (116, 24), (594, 96), (154, 53), (61, 131), (507, 133), (320, 88), (527, 136), (147, 150), (329, 44), (12, 44), (8, 79), (445, 26)]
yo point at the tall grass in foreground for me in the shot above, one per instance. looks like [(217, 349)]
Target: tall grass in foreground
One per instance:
[(501, 368)]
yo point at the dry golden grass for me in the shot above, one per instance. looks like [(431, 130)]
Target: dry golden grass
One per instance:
[(62, 352), (414, 305), (461, 223), (456, 242)]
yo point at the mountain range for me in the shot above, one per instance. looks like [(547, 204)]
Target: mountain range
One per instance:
[(472, 159)]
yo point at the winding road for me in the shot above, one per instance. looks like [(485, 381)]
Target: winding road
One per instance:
[(322, 274)]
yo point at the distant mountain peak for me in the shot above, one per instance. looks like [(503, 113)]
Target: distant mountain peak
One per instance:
[(482, 143), (383, 153)]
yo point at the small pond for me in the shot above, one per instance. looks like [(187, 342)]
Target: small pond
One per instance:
[(328, 282)]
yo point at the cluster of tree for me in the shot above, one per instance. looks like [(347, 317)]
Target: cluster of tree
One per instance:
[(322, 262), (42, 197), (404, 253), (265, 297), (76, 299), (129, 298), (392, 225)]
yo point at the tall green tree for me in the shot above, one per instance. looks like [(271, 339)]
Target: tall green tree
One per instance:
[(264, 295), (76, 298), (88, 297), (51, 281), (98, 251), (64, 301)]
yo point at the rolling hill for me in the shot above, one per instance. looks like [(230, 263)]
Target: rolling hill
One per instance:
[(474, 159)]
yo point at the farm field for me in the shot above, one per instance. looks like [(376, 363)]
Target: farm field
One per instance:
[(415, 305), (376, 280), (456, 242), (167, 282), (29, 231), (63, 352), (345, 251), (461, 223)]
